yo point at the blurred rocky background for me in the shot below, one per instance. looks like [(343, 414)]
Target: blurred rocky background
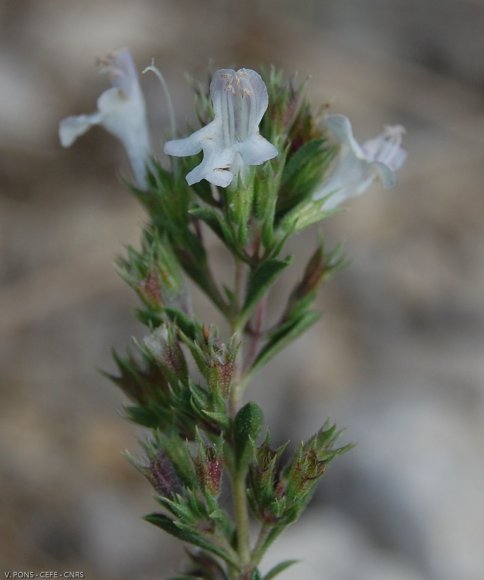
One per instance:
[(398, 358)]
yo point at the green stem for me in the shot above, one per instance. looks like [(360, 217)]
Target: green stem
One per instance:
[(238, 476), (257, 332), (259, 550), (267, 535), (241, 518), (238, 283), (237, 332)]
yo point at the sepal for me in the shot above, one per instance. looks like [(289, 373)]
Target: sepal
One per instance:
[(301, 477), (155, 274), (209, 465), (278, 495), (215, 360)]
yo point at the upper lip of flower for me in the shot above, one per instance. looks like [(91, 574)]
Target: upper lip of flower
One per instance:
[(384, 149), (357, 166), (232, 140), (121, 111)]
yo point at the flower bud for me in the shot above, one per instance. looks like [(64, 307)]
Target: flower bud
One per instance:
[(162, 475), (209, 464), (209, 471), (266, 488), (163, 345), (149, 290), (216, 360)]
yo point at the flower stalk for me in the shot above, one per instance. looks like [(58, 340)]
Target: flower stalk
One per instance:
[(268, 170)]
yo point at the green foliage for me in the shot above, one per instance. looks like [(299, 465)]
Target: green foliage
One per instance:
[(202, 564), (215, 360), (278, 494), (283, 335), (183, 381), (259, 283), (187, 533), (276, 570), (321, 267), (154, 273), (168, 201), (247, 426), (158, 383), (302, 475), (303, 172)]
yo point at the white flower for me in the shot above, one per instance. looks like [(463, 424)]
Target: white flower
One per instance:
[(121, 111), (358, 166), (232, 140)]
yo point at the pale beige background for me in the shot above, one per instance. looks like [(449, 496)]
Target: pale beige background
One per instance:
[(398, 358)]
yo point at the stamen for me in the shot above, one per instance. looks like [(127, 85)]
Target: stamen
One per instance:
[(164, 86)]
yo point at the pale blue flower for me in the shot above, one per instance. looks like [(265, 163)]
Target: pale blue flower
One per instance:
[(121, 111), (231, 142), (356, 167)]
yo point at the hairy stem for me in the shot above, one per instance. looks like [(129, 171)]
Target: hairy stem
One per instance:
[(237, 332), (256, 332), (238, 476), (241, 518), (260, 547)]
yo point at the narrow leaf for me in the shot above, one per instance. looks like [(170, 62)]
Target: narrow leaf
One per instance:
[(273, 572), (216, 223), (260, 281), (169, 526), (221, 419), (284, 336)]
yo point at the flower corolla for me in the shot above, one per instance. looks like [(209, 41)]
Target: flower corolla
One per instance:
[(230, 142), (121, 111), (356, 167)]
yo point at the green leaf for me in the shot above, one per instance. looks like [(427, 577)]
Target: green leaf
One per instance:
[(301, 157), (193, 258), (273, 572), (303, 173), (283, 336), (303, 215), (259, 283), (247, 426), (204, 565), (187, 325), (217, 224), (147, 416), (149, 317), (176, 449), (192, 537), (221, 419)]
